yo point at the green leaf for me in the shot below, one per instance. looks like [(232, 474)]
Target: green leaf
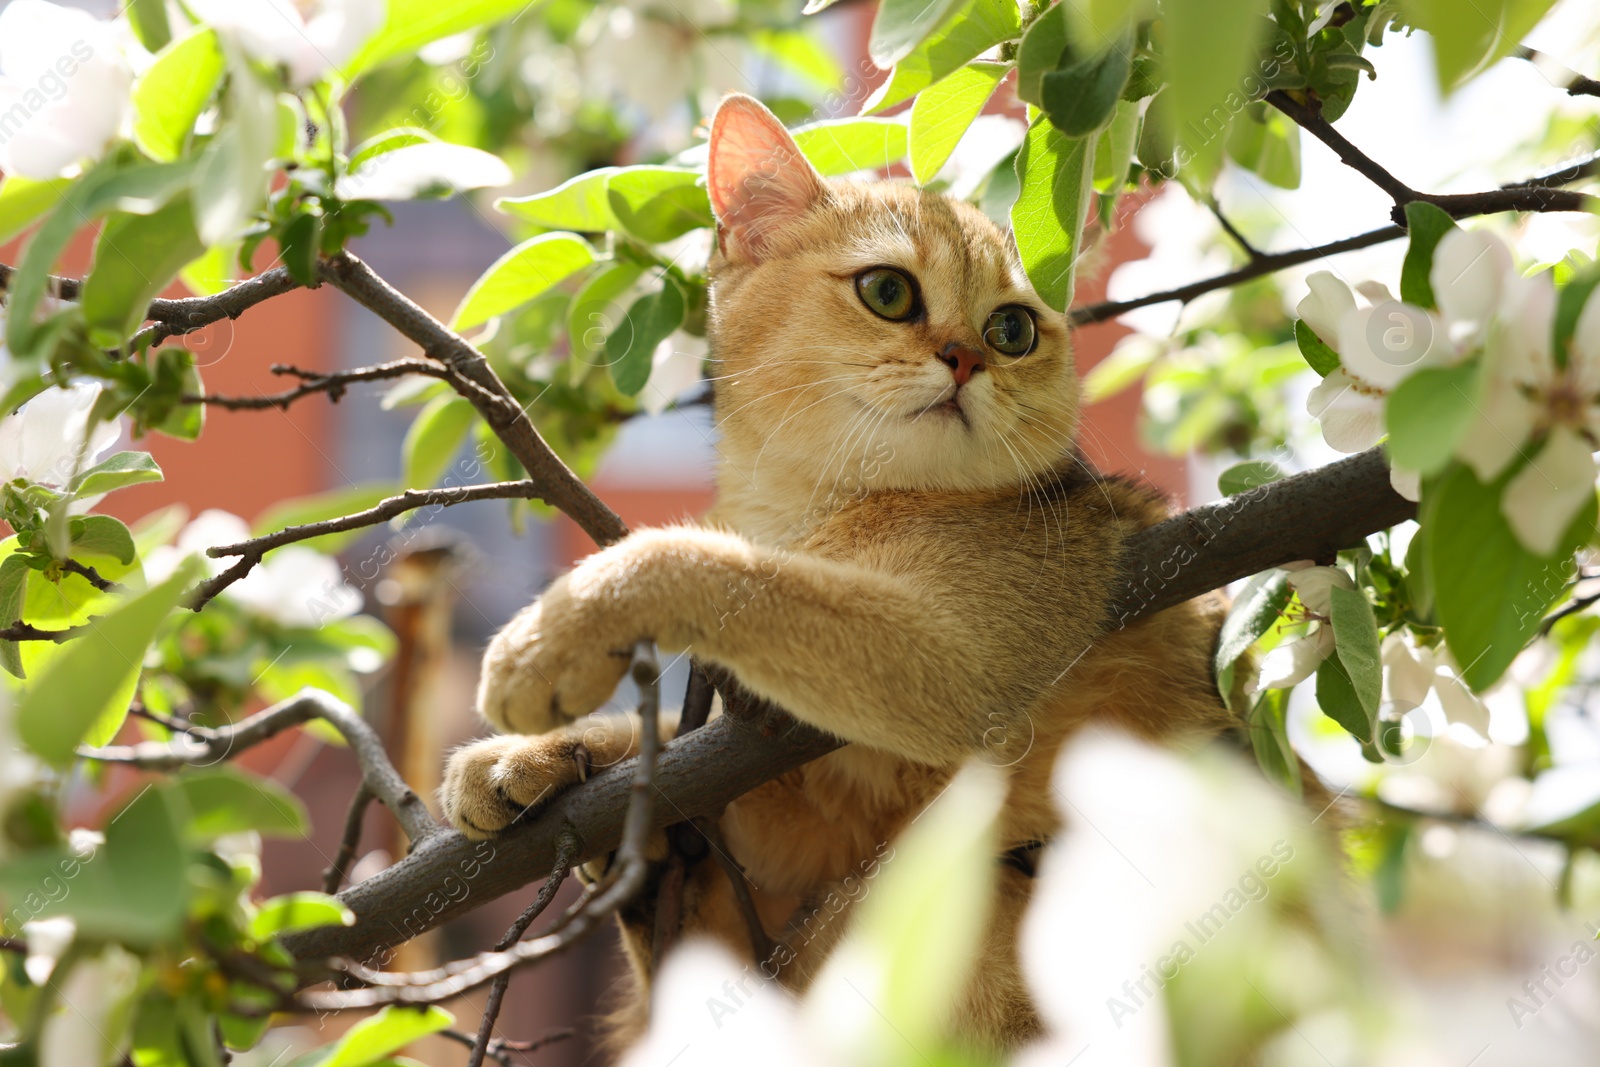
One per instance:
[(1209, 45), (139, 189), (388, 141), (297, 511), (392, 1029), (844, 146), (14, 572), (135, 258), (294, 912), (657, 204), (413, 23), (1080, 96), (1056, 174), (1254, 611), (943, 112), (227, 801), (172, 93), (1570, 301), (434, 439), (1251, 474), (901, 25), (1113, 153), (120, 470), (101, 535), (579, 204), (977, 27), (1336, 696), (300, 243), (83, 691), (177, 376), (1126, 364), (651, 320), (149, 21), (1267, 722), (1468, 38), (1322, 359), (1428, 414), (1427, 225), (1268, 145), (232, 172), (144, 856), (594, 311), (1490, 594), (1040, 52), (22, 200), (521, 274), (1355, 635)]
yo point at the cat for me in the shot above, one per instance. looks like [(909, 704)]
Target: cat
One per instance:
[(906, 551)]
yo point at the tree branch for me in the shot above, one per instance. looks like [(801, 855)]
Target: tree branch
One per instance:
[(1307, 516), (252, 551), (202, 747), (1558, 74), (313, 382), (349, 840)]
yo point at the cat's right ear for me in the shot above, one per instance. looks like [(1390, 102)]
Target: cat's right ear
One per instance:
[(758, 179)]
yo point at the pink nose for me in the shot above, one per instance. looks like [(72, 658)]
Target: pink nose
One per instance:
[(962, 361)]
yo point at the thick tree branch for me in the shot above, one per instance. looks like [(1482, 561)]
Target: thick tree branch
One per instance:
[(201, 747), (1308, 516)]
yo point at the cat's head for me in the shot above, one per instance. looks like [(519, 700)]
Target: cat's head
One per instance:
[(872, 335)]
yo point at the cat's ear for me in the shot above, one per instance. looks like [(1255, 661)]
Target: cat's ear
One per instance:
[(758, 179)]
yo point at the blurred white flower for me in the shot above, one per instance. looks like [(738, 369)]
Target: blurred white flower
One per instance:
[(1297, 659), (308, 37), (1412, 671), (48, 940), (294, 586), (49, 441), (675, 369), (64, 88), (89, 1025)]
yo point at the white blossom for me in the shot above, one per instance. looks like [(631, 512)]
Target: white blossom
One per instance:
[(310, 38), (50, 440), (65, 89), (1412, 671), (89, 1024), (48, 940), (1297, 659)]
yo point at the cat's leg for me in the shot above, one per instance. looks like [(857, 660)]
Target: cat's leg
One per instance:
[(489, 784), (904, 665)]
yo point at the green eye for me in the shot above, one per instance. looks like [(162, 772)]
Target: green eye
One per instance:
[(1010, 330), (886, 292)]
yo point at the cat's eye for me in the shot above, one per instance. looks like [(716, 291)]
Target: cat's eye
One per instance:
[(1010, 330), (887, 293)]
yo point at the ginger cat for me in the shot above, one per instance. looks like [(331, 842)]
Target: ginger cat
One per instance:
[(905, 551)]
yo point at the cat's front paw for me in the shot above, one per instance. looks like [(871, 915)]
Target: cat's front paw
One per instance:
[(558, 660), (489, 784)]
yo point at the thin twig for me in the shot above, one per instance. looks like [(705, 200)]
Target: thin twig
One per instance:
[(631, 867), (1575, 606), (760, 943), (1251, 251), (173, 318), (313, 382), (88, 574), (25, 631), (1308, 116), (567, 851), (333, 877), (201, 747), (167, 722), (251, 552), (1558, 74)]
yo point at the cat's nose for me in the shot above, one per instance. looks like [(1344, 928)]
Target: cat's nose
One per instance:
[(962, 361)]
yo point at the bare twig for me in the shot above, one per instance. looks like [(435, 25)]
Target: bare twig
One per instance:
[(172, 318), (24, 631), (201, 747), (1558, 74), (60, 288), (337, 871), (760, 943), (566, 852), (88, 574), (1251, 251), (252, 551), (312, 382), (628, 877)]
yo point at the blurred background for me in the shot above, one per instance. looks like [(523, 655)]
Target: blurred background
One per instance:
[(1461, 916)]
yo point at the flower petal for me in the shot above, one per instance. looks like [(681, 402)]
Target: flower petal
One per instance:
[(1469, 272), (1314, 586), (1505, 421), (1382, 346), (1352, 420), (1407, 677), (1586, 345), (1541, 501), (1329, 301), (1291, 663), (1460, 704), (1407, 483)]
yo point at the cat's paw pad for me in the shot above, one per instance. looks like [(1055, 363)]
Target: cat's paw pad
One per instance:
[(556, 661), (489, 784)]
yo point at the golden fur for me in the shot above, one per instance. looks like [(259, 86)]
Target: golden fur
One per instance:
[(929, 582)]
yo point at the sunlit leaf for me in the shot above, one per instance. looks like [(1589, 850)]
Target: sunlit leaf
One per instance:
[(172, 93), (943, 112), (521, 274), (434, 439), (1056, 173)]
